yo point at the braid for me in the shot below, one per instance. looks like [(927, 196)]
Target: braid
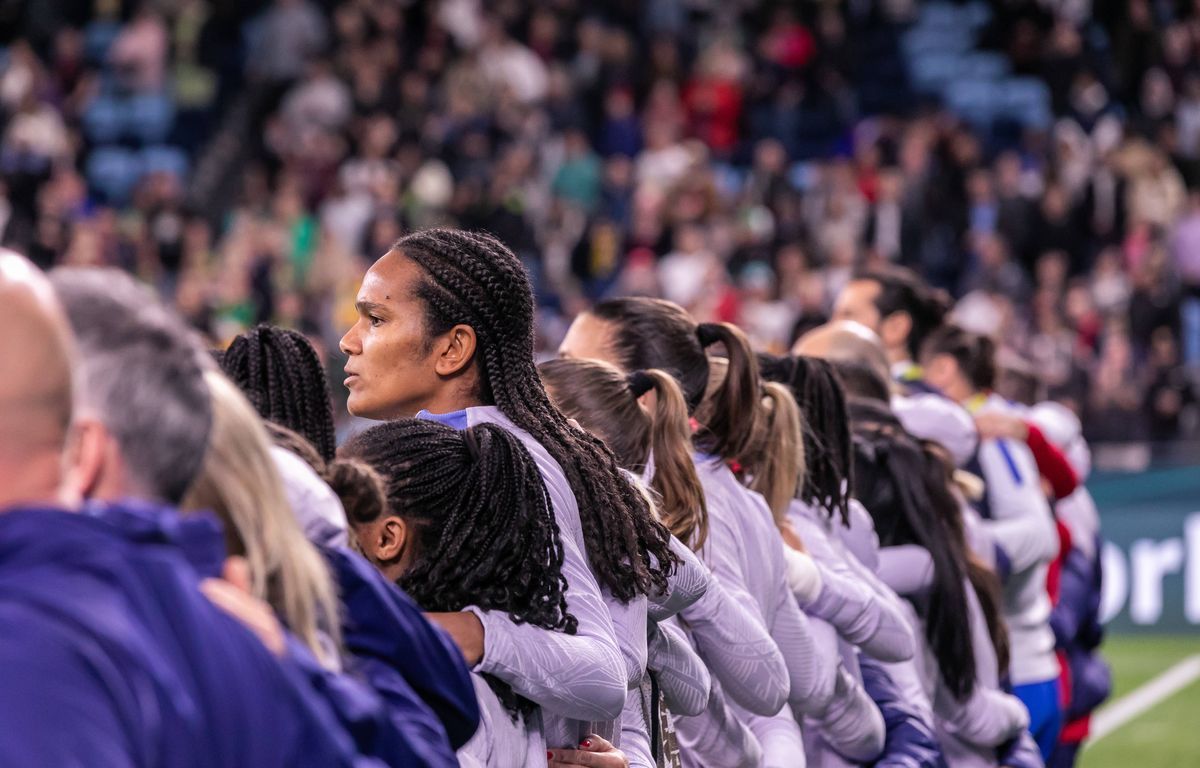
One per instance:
[(477, 281), (484, 529), (283, 378), (828, 447)]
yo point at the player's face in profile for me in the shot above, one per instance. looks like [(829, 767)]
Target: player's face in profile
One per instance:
[(390, 371)]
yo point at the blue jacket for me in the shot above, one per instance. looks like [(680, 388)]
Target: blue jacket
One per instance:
[(110, 655), (374, 703), (910, 742), (1078, 631), (401, 654)]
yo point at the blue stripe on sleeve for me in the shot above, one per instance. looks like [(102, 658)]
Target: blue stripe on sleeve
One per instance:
[(1008, 459)]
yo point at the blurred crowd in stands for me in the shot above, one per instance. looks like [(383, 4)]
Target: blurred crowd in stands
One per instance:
[(1037, 160)]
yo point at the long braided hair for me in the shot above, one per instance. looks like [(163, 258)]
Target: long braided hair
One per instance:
[(281, 374), (828, 448), (473, 279), (483, 528)]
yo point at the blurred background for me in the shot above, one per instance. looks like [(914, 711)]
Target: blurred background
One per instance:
[(1038, 159)]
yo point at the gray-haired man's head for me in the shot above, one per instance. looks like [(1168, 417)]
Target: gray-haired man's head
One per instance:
[(140, 376)]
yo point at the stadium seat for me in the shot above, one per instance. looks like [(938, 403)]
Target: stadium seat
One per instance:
[(1027, 100), (103, 119), (977, 14), (149, 117), (931, 71), (164, 159), (940, 15), (985, 65), (112, 172), (918, 40), (974, 100), (98, 37)]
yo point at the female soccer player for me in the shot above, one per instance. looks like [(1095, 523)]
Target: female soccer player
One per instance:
[(445, 330)]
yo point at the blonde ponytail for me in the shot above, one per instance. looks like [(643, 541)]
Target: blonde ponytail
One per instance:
[(681, 496), (776, 464), (238, 481)]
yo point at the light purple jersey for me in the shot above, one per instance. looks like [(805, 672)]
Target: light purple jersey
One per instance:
[(581, 680)]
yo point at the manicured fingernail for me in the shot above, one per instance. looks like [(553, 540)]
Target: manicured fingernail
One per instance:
[(586, 744), (549, 755)]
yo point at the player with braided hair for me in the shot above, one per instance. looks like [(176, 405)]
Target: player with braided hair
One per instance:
[(845, 600), (280, 373), (473, 280), (829, 460), (849, 599), (445, 329), (468, 522), (384, 633)]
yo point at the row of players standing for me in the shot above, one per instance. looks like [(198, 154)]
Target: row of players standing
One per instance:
[(782, 477), (698, 578)]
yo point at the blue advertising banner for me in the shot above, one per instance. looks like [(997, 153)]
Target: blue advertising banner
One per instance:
[(1151, 559)]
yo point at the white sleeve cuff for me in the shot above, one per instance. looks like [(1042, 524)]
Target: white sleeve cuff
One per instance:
[(803, 578)]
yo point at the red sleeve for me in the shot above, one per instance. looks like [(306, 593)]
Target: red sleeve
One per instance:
[(1052, 464), (1054, 573)]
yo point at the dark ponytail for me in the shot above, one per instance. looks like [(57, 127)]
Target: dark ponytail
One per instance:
[(984, 581), (485, 532), (974, 354), (893, 482), (739, 421), (731, 417)]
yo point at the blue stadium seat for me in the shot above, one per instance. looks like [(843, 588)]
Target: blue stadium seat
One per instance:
[(940, 15), (985, 66), (977, 14), (1027, 100), (98, 37), (931, 71), (804, 175), (976, 101), (103, 119), (112, 172), (918, 41), (164, 159), (149, 117)]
